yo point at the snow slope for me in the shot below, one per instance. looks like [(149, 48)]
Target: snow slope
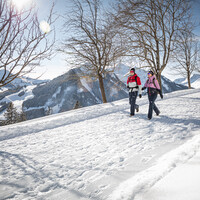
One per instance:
[(195, 81), (23, 81), (182, 183), (18, 99), (62, 93), (99, 152)]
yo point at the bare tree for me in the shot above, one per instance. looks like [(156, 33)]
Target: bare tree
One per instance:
[(187, 52), (197, 68), (151, 27), (94, 43), (22, 44)]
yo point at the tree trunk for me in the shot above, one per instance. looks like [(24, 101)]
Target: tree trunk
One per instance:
[(188, 78), (159, 80), (103, 94)]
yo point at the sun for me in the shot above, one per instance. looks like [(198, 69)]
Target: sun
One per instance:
[(44, 26), (20, 4)]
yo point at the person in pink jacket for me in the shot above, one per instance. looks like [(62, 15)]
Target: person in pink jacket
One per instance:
[(153, 88)]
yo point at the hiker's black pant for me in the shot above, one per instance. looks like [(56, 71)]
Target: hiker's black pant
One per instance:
[(132, 100), (152, 106)]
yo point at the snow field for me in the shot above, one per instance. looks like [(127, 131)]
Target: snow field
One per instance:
[(93, 152), (146, 179), (18, 100), (61, 119), (181, 183)]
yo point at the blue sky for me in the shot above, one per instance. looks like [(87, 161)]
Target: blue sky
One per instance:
[(58, 65)]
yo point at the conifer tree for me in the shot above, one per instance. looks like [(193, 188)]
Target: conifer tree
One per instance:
[(49, 111), (11, 114), (21, 117), (77, 105)]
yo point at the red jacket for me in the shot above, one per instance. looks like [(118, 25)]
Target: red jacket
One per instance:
[(134, 84), (132, 79)]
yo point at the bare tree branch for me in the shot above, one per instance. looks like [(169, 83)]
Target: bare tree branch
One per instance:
[(187, 52), (21, 41), (95, 43), (152, 27)]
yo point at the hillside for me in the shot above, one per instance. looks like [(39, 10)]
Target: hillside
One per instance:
[(19, 83), (64, 92), (195, 81), (98, 152)]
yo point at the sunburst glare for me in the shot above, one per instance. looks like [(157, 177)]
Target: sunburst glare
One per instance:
[(44, 26), (20, 4)]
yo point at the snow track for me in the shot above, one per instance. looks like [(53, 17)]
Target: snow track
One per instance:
[(146, 179)]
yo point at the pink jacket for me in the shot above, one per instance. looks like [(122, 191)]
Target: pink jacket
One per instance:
[(152, 82)]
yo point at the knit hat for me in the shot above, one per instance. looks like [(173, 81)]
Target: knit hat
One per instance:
[(132, 69), (151, 72)]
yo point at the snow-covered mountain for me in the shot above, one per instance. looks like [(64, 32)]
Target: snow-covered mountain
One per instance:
[(18, 83), (195, 81), (18, 91), (62, 93), (100, 152)]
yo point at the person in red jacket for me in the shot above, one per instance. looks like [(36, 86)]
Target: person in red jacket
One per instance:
[(135, 87)]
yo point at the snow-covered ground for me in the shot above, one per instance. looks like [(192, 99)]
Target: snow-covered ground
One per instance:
[(182, 183), (99, 152), (18, 99)]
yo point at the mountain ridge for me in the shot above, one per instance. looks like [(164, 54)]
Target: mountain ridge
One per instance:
[(63, 92), (195, 81)]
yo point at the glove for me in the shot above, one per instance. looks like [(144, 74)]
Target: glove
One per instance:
[(128, 87), (143, 88), (140, 95), (161, 95)]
